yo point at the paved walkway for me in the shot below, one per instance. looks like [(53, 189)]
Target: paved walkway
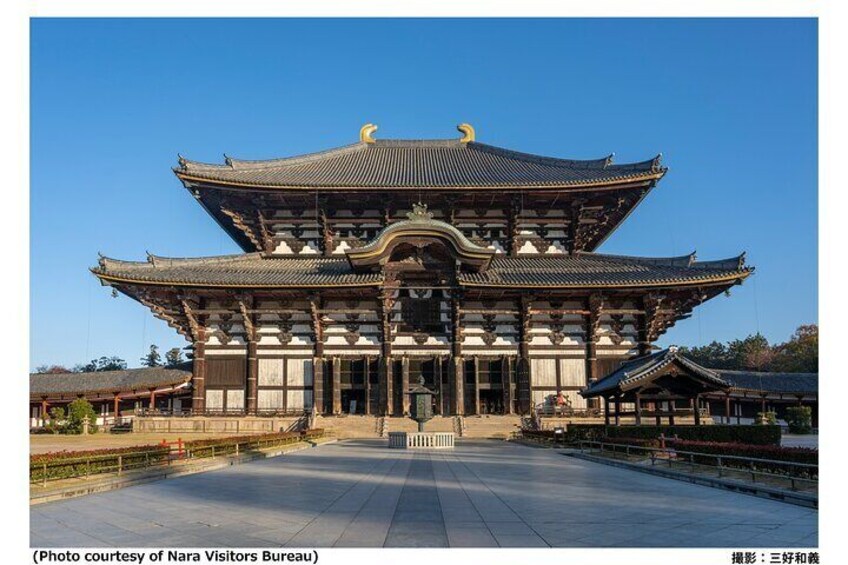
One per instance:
[(359, 493)]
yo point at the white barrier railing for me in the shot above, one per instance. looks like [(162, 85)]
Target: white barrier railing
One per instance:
[(421, 440)]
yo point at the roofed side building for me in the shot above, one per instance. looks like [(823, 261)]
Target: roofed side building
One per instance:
[(114, 394)]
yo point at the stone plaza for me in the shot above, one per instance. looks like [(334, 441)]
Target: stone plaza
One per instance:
[(358, 493)]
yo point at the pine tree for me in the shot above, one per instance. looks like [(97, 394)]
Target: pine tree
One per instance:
[(152, 359), (173, 357)]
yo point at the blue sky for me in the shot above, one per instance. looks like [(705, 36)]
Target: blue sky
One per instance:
[(731, 104)]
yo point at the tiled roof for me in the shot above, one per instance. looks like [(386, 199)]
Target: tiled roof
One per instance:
[(641, 367), (248, 270), (446, 163), (108, 381), (588, 269), (577, 271), (786, 383), (635, 369)]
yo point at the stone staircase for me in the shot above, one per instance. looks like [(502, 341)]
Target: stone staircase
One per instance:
[(349, 427), (489, 427)]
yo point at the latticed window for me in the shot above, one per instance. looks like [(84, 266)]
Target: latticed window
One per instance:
[(421, 313)]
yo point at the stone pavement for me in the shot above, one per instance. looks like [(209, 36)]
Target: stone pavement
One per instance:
[(482, 494)]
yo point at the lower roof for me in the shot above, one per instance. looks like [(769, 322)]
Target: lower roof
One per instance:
[(581, 270), (127, 380)]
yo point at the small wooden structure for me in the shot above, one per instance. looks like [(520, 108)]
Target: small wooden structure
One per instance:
[(654, 387)]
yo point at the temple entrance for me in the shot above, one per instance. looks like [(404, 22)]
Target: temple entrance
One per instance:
[(491, 402), (355, 378), (485, 384), (353, 401)]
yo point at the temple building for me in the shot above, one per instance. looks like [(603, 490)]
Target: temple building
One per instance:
[(369, 266)]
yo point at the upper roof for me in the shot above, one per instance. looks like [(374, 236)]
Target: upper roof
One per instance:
[(439, 163), (582, 270), (108, 381), (635, 370)]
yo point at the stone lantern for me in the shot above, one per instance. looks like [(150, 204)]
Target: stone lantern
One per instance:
[(421, 405)]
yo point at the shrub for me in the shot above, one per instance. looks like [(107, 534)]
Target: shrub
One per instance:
[(637, 441), (80, 411), (758, 435), (804, 455), (56, 420), (203, 447), (766, 418), (67, 464), (800, 419)]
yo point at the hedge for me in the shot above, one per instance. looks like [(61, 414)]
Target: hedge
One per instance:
[(791, 454), (67, 464), (222, 446), (755, 435)]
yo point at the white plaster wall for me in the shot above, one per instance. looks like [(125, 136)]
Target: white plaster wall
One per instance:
[(235, 399), (572, 372), (543, 372), (299, 372), (270, 372)]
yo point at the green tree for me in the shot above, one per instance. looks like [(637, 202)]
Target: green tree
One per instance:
[(152, 359), (80, 411), (714, 355), (752, 353), (801, 353), (102, 364), (56, 419), (173, 357)]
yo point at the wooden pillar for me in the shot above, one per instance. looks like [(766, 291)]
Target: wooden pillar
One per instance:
[(524, 374), (696, 405), (607, 410), (404, 386), (727, 408), (252, 377), (476, 385), (367, 376), (618, 410), (337, 385), (386, 378), (638, 409), (318, 355), (671, 406), (44, 414), (595, 307), (117, 405), (318, 380), (456, 368), (437, 376), (506, 381), (657, 407), (198, 394), (738, 412), (456, 377)]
